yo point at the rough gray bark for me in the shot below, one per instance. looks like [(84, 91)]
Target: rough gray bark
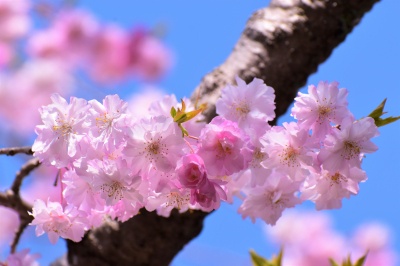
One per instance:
[(282, 44)]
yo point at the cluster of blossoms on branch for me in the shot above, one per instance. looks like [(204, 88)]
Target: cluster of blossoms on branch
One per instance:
[(111, 163)]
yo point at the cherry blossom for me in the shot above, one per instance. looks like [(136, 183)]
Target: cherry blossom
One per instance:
[(191, 171), (56, 221), (14, 20), (345, 147), (22, 258), (247, 103), (154, 143), (223, 147), (58, 139), (108, 121), (270, 200), (289, 149), (327, 189), (323, 105)]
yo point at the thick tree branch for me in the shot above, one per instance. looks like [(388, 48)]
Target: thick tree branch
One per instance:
[(282, 44)]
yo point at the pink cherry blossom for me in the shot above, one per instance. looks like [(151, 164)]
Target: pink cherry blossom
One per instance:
[(289, 149), (108, 121), (22, 258), (58, 138), (191, 171), (56, 221), (79, 30), (80, 193), (323, 105), (14, 20), (48, 44), (208, 195), (154, 143), (258, 172), (247, 104), (327, 189), (375, 238), (149, 59), (109, 58), (114, 181), (168, 198), (270, 200), (308, 239), (224, 147), (346, 146)]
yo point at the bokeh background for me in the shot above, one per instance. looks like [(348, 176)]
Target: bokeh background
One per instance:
[(201, 34)]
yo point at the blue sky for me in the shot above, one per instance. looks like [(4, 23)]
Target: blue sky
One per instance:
[(202, 34)]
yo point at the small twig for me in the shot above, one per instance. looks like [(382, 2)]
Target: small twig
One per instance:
[(14, 201), (24, 171), (22, 225), (16, 150)]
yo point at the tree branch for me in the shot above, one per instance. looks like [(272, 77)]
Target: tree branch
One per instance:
[(23, 172), (15, 150), (282, 44), (12, 199)]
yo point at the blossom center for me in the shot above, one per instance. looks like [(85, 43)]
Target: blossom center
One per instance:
[(351, 150), (175, 199), (241, 109), (323, 113), (104, 122), (289, 157), (337, 179), (224, 148), (258, 157), (113, 190), (63, 128), (155, 148)]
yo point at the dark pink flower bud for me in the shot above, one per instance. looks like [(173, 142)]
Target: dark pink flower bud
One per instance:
[(191, 171)]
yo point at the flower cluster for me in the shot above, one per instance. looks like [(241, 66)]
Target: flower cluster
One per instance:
[(113, 164)]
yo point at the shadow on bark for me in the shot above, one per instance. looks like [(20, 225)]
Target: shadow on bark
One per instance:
[(147, 239)]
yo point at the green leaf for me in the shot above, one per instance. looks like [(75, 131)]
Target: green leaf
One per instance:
[(257, 260), (361, 261), (386, 121), (347, 261), (378, 112), (333, 263), (180, 116), (278, 260), (173, 112)]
